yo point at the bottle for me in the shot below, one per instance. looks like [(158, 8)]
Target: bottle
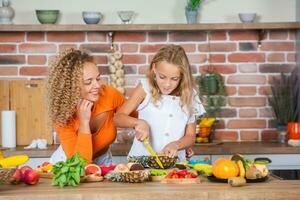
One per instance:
[(7, 13)]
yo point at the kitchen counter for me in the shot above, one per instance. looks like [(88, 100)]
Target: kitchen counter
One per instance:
[(273, 189), (216, 148)]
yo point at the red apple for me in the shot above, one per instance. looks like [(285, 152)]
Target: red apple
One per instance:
[(17, 177), (31, 177), (105, 169), (23, 170)]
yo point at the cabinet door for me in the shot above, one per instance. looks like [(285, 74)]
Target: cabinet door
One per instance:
[(4, 100), (28, 100)]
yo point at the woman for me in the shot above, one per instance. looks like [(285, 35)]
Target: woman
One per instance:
[(81, 108)]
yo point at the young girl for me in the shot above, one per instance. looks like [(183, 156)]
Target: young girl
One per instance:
[(167, 103)]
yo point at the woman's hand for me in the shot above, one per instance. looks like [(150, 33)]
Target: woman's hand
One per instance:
[(171, 149), (141, 130), (84, 108), (189, 153)]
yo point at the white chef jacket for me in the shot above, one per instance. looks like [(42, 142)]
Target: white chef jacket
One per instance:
[(167, 121)]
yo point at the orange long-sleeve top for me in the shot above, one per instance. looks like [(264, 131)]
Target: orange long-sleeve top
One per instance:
[(93, 145)]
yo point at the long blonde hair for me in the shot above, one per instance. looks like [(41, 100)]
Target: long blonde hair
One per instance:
[(64, 85), (174, 54)]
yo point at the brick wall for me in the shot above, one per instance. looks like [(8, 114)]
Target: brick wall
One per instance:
[(247, 69)]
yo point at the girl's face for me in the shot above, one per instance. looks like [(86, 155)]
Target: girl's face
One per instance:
[(91, 82), (167, 77)]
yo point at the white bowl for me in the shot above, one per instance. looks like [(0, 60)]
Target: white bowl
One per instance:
[(247, 17), (91, 17), (126, 16)]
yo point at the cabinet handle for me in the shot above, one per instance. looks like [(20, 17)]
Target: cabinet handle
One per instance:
[(31, 85)]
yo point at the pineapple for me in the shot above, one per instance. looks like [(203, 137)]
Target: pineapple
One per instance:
[(138, 176), (165, 160), (114, 176), (143, 160)]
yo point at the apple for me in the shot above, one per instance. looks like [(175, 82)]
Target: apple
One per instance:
[(107, 168), (23, 170), (16, 177), (31, 177)]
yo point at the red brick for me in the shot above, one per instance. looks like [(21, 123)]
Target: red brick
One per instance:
[(188, 48), (248, 46), (129, 48), (247, 113), (96, 48), (249, 135), (37, 48), (276, 57), (243, 35), (150, 48), (222, 69), (278, 35), (217, 47), (217, 58), (96, 36), (264, 90), (157, 37), (228, 112), (246, 79), (247, 101), (276, 68), (187, 36), (134, 59), (100, 59), (220, 124), (103, 71), (247, 90), (8, 48), (246, 123), (265, 112), (246, 57), (51, 59), (291, 57), (292, 34), (218, 35), (12, 37), (8, 71), (63, 47), (269, 135), (35, 36), (278, 46), (33, 71), (247, 68), (130, 69), (226, 135), (65, 36), (143, 69), (196, 58), (130, 37), (37, 60), (12, 59), (230, 90)]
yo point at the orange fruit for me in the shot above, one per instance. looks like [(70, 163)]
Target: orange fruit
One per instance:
[(225, 168), (92, 169)]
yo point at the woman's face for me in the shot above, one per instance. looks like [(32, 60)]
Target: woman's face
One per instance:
[(91, 82), (167, 77)]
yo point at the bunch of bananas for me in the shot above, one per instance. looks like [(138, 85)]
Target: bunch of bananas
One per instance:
[(12, 161)]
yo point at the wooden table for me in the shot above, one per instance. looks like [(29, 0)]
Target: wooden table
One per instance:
[(273, 189)]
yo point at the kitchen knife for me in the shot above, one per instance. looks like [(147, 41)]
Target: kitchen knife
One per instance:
[(152, 152)]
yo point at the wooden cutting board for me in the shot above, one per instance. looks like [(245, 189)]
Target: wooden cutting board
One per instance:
[(4, 100), (28, 99)]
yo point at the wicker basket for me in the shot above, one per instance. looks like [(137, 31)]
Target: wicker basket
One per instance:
[(138, 176), (6, 174)]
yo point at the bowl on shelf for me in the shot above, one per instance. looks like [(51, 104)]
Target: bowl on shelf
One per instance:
[(247, 17), (126, 16), (47, 16), (91, 17)]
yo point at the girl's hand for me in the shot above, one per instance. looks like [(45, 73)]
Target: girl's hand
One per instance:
[(141, 130), (189, 153), (84, 108), (170, 149)]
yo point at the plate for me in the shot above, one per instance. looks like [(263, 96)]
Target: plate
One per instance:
[(218, 180)]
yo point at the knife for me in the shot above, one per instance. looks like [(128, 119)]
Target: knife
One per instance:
[(152, 152)]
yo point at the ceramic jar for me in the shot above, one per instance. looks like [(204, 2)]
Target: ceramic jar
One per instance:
[(6, 13)]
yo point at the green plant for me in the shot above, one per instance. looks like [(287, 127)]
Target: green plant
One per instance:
[(193, 4), (283, 100), (212, 92)]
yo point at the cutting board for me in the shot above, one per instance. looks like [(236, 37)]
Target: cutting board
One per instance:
[(4, 100), (28, 99)]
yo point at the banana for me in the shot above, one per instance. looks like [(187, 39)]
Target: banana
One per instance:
[(207, 122), (205, 169), (241, 168), (13, 161)]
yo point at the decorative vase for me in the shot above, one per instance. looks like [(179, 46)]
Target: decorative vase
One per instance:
[(211, 84), (6, 13), (191, 16), (294, 130)]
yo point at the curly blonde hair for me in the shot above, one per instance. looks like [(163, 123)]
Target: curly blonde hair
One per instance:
[(64, 85), (174, 54)]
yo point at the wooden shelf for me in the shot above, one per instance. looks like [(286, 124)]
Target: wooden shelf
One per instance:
[(149, 27)]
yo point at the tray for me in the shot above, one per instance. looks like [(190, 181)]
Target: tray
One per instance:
[(258, 180)]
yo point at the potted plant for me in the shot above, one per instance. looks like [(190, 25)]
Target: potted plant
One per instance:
[(191, 10)]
